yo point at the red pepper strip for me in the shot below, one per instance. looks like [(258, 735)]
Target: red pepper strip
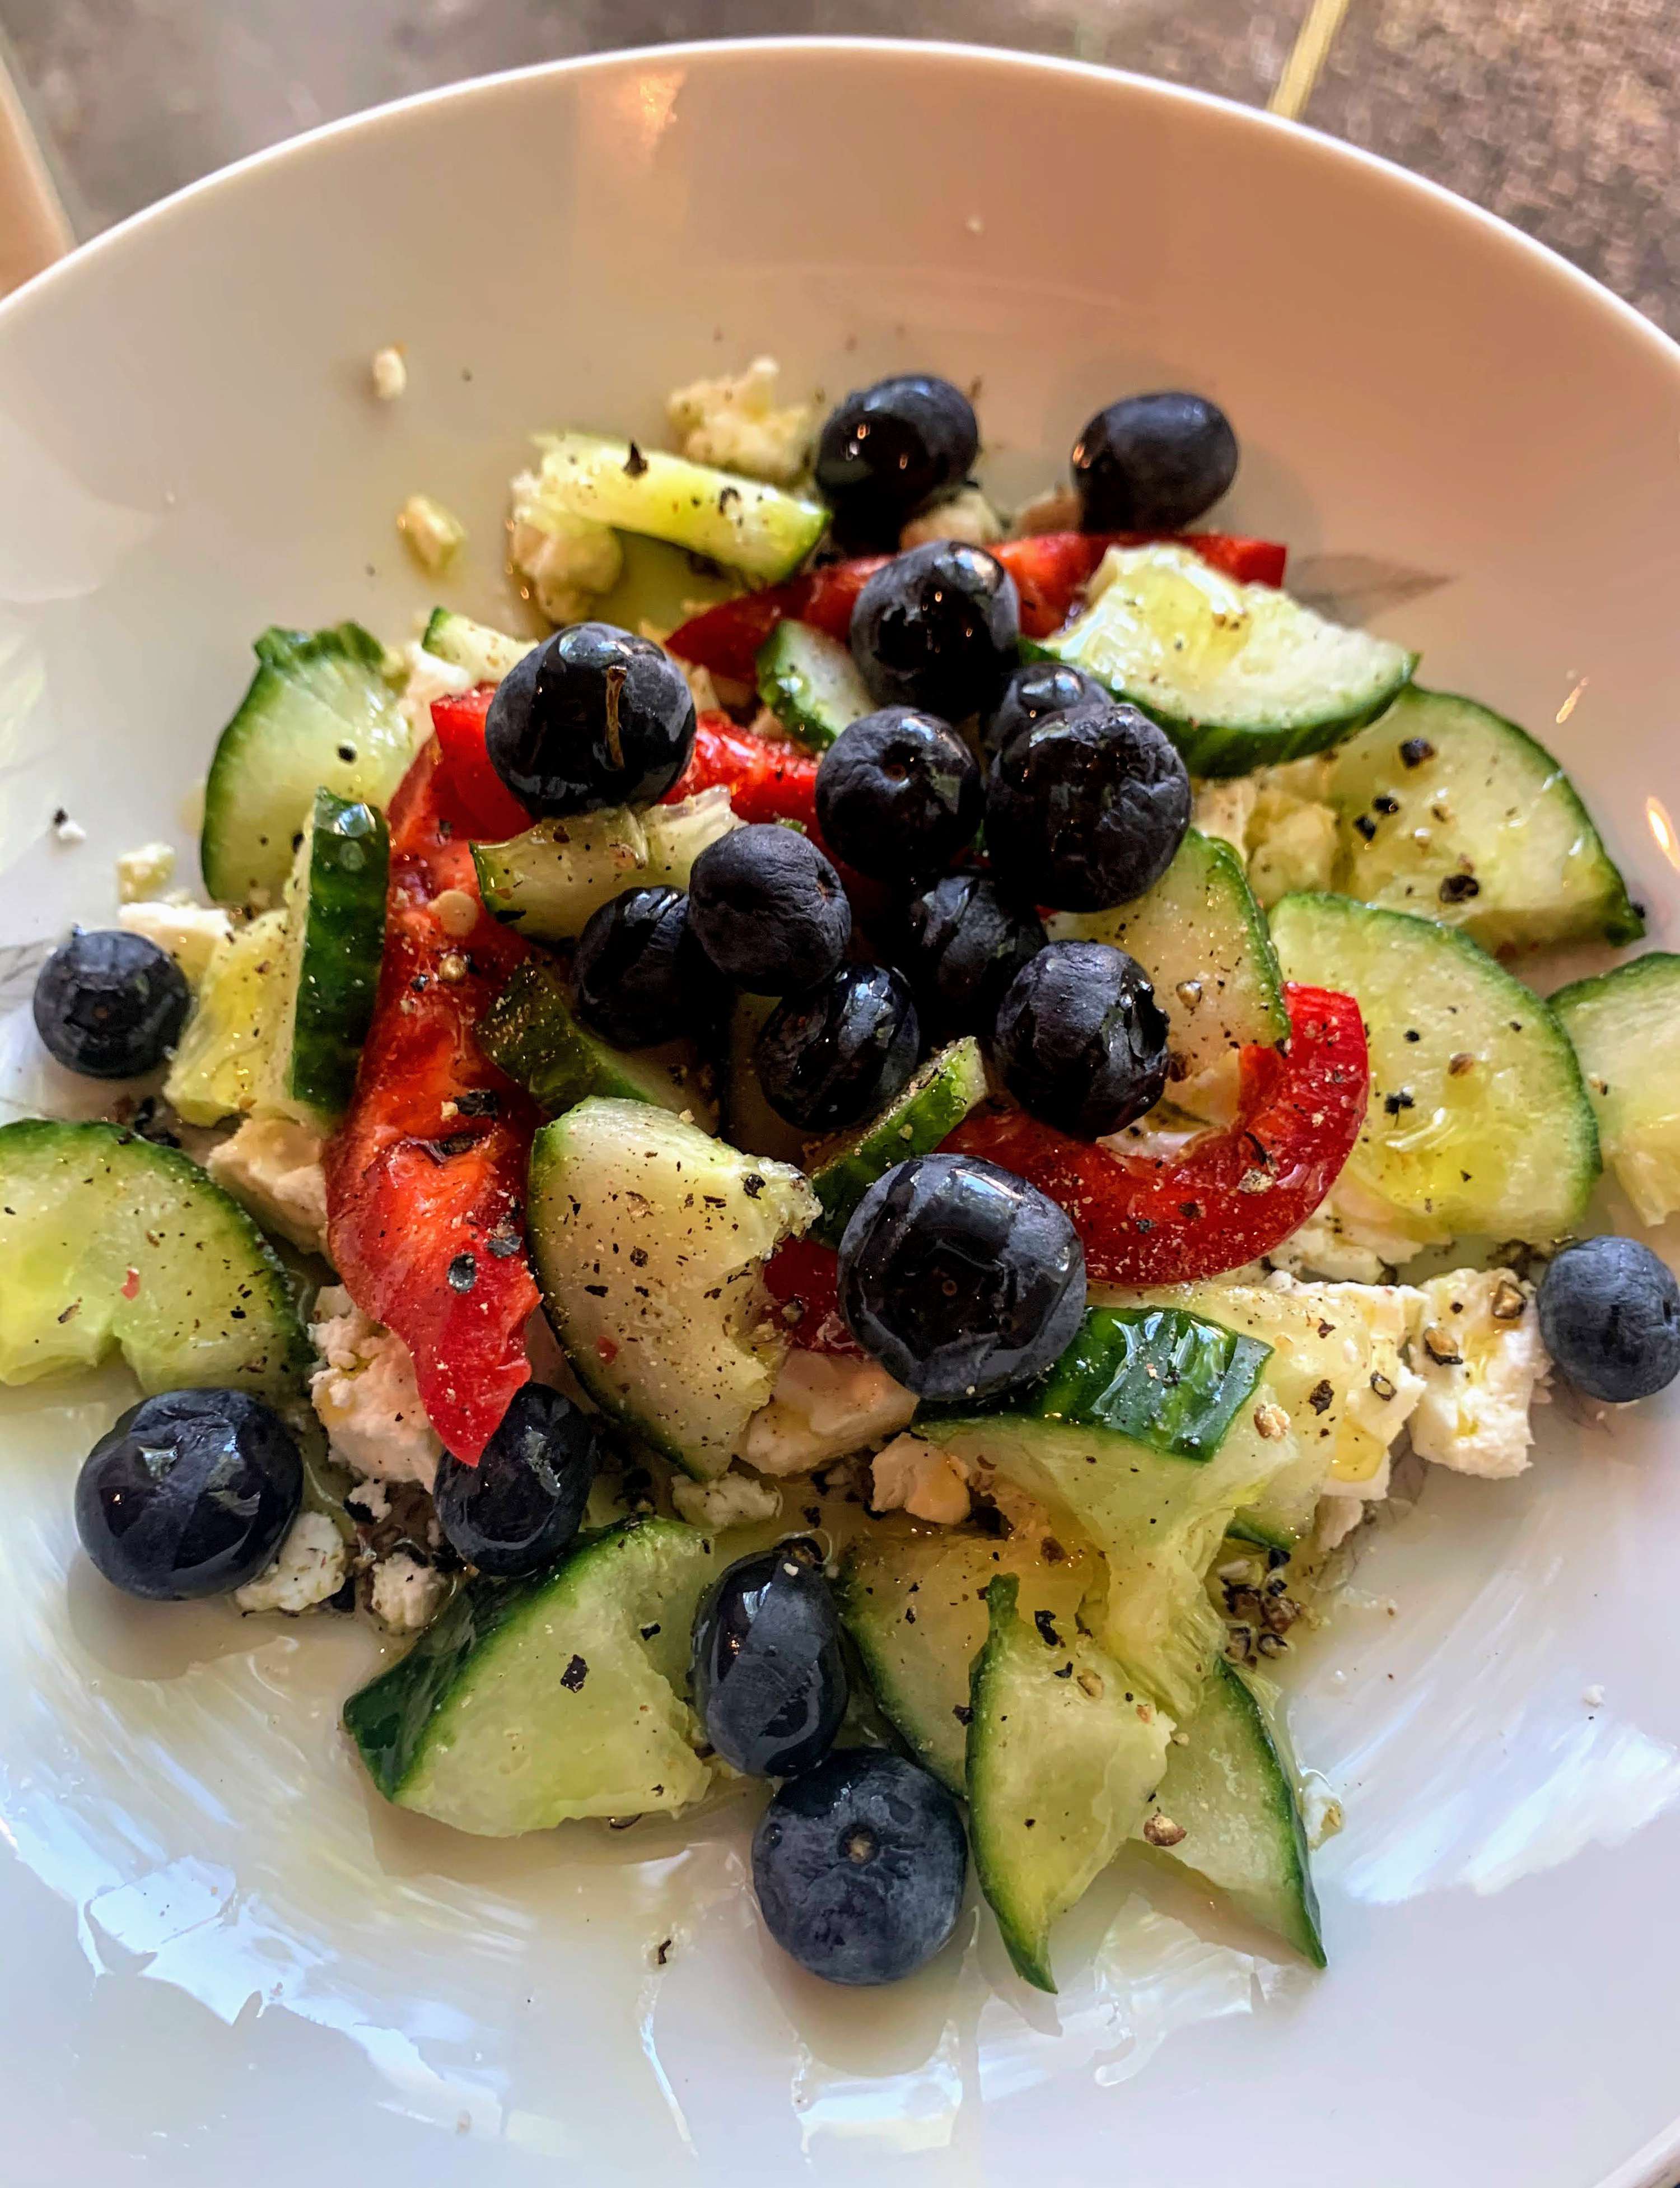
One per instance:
[(804, 1275), (426, 1176), (767, 778), (1049, 570), (471, 788), (1231, 1196)]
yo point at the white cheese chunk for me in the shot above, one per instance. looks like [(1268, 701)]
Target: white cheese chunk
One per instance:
[(406, 1594), (272, 1167), (966, 515), (366, 1394), (433, 534), (733, 1500), (736, 424), (312, 1565), (1353, 1236), (388, 374), (564, 563), (824, 1406), (189, 933), (1225, 810), (146, 871), (909, 1475), (1483, 1365)]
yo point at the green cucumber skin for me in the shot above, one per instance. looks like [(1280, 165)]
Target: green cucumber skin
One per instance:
[(794, 665), (105, 1172), (343, 911), (1029, 1956), (931, 1107), (531, 1033), (1627, 1060), (1659, 967), (478, 648)]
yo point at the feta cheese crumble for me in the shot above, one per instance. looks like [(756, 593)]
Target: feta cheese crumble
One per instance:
[(909, 1475), (435, 535), (1225, 810), (389, 374), (735, 424), (824, 1406), (1483, 1366), (312, 1565), (405, 1594), (967, 516), (366, 1394), (144, 873), (733, 1500), (564, 563), (189, 933), (272, 1167)]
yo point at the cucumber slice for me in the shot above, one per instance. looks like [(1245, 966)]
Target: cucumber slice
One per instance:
[(1445, 809), (485, 654), (223, 1058), (1232, 1790), (531, 1033), (934, 1103), (1063, 1757), (914, 1602), (1203, 940), (1240, 676), (1477, 1121), (660, 586), (322, 999), (749, 1123), (1626, 1028), (547, 881), (649, 1240), (738, 522), (530, 1702), (110, 1243), (809, 683), (319, 712), (1156, 1516)]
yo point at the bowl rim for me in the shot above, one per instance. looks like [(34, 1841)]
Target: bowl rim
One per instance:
[(1654, 2164)]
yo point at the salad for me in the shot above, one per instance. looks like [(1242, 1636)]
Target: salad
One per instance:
[(846, 1174)]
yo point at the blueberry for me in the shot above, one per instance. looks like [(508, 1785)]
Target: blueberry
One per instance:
[(1036, 688), (937, 628), (769, 1666), (898, 793), (860, 1867), (519, 1506), (1609, 1312), (189, 1494), (1086, 810), (960, 1279), (839, 1052), (594, 717), (1081, 1040), (962, 944), (1153, 463), (768, 909), (110, 1005), (887, 449), (640, 975)]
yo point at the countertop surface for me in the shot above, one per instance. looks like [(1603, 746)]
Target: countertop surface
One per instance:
[(1564, 119)]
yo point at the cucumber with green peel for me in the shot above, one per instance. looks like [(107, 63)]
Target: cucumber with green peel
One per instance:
[(757, 529), (1478, 1122), (1230, 1786), (1445, 808), (1626, 1028), (485, 654), (222, 1062), (913, 1600), (327, 974), (319, 713), (649, 1240), (1063, 1757), (661, 586), (932, 1105), (1240, 676), (109, 1243), (549, 881), (746, 1119), (1202, 939), (532, 1032), (528, 1703), (810, 682)]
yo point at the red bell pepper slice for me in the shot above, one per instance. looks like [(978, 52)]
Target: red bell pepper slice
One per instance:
[(767, 778), (426, 1176), (473, 791), (1049, 570), (804, 1277), (1231, 1196)]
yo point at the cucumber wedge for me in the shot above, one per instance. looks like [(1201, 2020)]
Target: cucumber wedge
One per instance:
[(531, 1032), (913, 1600), (485, 654), (1445, 809), (1063, 1757), (325, 979), (810, 684), (1240, 676), (1202, 939), (1478, 1122), (319, 712), (660, 586), (547, 881), (748, 1122), (747, 527), (223, 1060), (109, 1243), (1626, 1028), (1231, 1791), (934, 1103), (649, 1240), (530, 1702)]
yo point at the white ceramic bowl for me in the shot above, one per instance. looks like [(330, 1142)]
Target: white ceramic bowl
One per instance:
[(223, 1957)]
